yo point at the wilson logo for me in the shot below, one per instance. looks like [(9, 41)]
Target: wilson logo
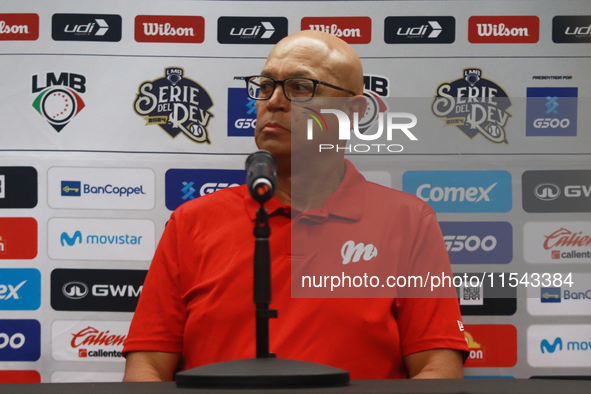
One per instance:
[(503, 29), (545, 345), (354, 30), (19, 27), (169, 28), (352, 252)]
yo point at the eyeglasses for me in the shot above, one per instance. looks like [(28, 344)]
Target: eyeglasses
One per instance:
[(295, 89)]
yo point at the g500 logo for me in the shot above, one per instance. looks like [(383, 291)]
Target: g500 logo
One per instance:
[(345, 130), (176, 104), (474, 105)]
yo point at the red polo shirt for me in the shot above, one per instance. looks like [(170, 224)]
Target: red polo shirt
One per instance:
[(197, 297)]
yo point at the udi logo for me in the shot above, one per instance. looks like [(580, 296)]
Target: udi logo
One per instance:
[(86, 27), (491, 345), (351, 29), (20, 340), (18, 238), (461, 191), (419, 29), (551, 112), (19, 27), (251, 30), (20, 289), (242, 113), (557, 242), (478, 242), (58, 98), (559, 345), (572, 29), (183, 185), (503, 29), (169, 28), (88, 340)]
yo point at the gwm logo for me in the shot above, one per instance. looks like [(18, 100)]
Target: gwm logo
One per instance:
[(351, 252), (547, 191), (75, 290), (345, 130), (59, 101)]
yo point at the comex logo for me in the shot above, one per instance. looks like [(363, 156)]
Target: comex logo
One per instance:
[(351, 252), (547, 191), (455, 193), (12, 291), (75, 290), (345, 130)]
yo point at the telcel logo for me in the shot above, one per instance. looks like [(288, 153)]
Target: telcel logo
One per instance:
[(461, 191), (345, 130)]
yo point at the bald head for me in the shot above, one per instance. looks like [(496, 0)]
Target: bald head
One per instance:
[(321, 53)]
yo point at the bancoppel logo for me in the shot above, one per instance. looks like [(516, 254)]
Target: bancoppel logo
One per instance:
[(251, 30), (478, 242), (557, 242), (20, 340), (184, 185), (18, 238), (88, 340), (572, 299), (559, 345), (20, 289), (96, 290), (101, 188), (503, 29), (103, 239), (18, 187), (571, 29), (491, 345), (485, 299), (86, 27), (461, 191), (351, 29), (474, 105), (352, 252), (59, 101), (550, 294), (551, 112), (19, 27), (176, 104), (169, 28), (242, 113), (420, 30), (557, 191)]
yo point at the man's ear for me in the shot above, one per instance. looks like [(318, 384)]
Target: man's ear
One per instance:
[(356, 104)]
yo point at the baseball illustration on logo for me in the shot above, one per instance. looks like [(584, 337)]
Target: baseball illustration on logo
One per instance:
[(176, 104), (474, 105), (58, 101)]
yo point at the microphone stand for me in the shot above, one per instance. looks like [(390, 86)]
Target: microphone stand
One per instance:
[(264, 371)]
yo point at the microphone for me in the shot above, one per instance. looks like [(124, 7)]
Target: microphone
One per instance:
[(261, 175)]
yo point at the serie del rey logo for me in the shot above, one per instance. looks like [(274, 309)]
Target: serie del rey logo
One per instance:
[(474, 105), (59, 100), (176, 104)]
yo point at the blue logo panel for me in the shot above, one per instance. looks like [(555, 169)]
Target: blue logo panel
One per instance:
[(20, 340), (20, 289), (478, 242), (242, 114), (183, 185), (550, 294), (461, 191), (71, 188), (551, 112)]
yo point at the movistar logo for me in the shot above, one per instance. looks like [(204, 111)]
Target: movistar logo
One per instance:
[(315, 116), (71, 240), (551, 105), (545, 345)]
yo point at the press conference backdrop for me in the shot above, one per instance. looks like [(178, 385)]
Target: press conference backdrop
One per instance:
[(115, 113)]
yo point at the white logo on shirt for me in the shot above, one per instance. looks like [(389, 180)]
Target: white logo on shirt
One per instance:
[(352, 252), (460, 325)]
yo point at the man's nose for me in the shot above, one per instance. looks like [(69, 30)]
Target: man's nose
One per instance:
[(278, 100)]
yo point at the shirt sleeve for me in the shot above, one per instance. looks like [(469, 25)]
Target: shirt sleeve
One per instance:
[(427, 322), (159, 320)]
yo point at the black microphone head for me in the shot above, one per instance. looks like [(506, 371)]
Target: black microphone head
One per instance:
[(261, 175)]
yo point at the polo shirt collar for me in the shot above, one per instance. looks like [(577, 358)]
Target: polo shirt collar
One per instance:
[(346, 202)]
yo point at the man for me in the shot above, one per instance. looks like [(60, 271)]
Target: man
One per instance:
[(196, 307)]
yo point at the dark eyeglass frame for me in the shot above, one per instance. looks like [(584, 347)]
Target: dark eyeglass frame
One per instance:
[(276, 82)]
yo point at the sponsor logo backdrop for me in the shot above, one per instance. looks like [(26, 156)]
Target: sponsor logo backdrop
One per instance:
[(116, 113)]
